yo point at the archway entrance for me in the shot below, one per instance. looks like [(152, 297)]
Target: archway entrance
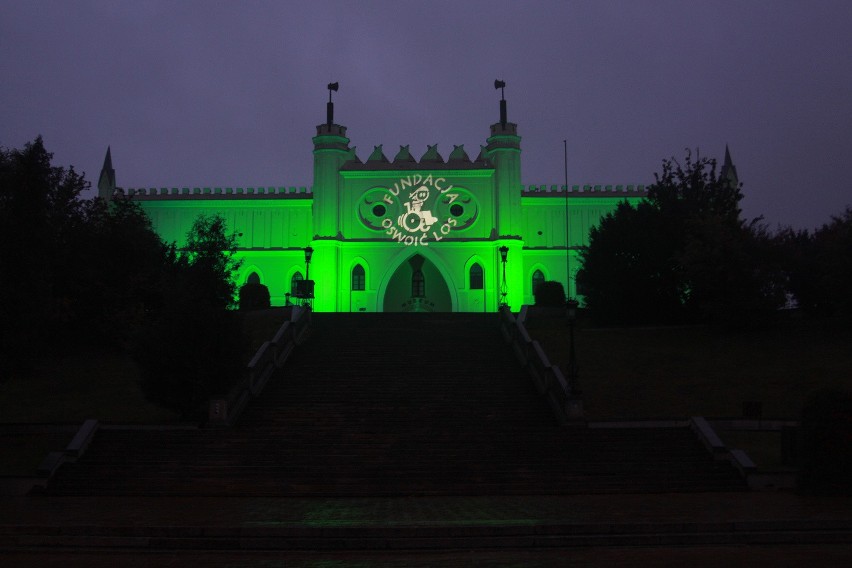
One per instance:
[(417, 286)]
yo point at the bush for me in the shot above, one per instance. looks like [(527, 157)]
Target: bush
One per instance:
[(188, 349), (550, 293), (254, 296), (826, 443), (189, 354)]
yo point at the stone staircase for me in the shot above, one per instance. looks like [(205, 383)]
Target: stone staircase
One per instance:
[(378, 405)]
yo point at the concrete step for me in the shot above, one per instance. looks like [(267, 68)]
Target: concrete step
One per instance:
[(437, 537)]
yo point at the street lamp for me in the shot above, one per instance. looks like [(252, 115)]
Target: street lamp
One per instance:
[(309, 252), (309, 284), (504, 253), (572, 357)]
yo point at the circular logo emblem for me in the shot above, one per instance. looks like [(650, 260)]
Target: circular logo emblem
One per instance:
[(416, 197)]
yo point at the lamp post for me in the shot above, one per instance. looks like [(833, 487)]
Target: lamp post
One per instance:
[(504, 253), (572, 357), (309, 252)]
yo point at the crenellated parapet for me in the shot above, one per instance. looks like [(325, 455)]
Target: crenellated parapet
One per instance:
[(404, 160), (271, 192), (607, 190)]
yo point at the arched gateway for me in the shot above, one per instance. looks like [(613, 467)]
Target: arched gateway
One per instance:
[(417, 285)]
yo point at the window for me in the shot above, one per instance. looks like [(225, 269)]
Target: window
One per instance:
[(358, 277), (418, 285), (476, 277), (538, 278), (253, 278), (294, 282)]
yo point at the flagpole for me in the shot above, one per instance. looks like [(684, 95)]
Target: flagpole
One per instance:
[(567, 228)]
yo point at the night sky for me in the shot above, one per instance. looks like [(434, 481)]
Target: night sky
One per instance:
[(218, 94)]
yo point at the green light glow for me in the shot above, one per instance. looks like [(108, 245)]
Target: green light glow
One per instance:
[(394, 220)]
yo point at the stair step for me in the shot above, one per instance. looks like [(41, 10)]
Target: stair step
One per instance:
[(396, 404)]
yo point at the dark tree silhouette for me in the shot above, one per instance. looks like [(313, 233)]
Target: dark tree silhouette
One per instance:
[(684, 254), (193, 347), (819, 266), (40, 221), (209, 255)]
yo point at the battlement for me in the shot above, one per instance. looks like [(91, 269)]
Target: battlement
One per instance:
[(271, 192), (603, 190), (404, 160)]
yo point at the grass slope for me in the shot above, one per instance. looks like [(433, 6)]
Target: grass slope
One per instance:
[(672, 372)]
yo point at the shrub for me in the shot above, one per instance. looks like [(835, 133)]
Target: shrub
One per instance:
[(254, 296), (826, 443), (188, 350), (550, 293)]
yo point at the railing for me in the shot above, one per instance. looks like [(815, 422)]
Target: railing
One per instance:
[(272, 355), (547, 378)]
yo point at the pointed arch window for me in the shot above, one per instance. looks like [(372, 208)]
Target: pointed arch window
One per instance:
[(475, 277), (294, 283), (537, 278), (418, 284), (358, 278)]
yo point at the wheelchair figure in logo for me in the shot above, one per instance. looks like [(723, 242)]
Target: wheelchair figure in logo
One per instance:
[(415, 218)]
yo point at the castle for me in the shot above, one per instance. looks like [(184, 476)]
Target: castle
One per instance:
[(459, 234)]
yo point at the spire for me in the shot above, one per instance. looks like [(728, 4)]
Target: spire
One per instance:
[(106, 181), (729, 170), (108, 159)]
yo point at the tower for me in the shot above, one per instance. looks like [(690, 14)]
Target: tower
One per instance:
[(504, 151), (106, 181), (331, 150)]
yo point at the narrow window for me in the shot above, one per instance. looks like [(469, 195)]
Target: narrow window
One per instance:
[(476, 277), (538, 278), (358, 278), (418, 285), (294, 283)]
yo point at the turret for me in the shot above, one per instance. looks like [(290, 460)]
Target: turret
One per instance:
[(331, 150), (106, 181), (504, 151)]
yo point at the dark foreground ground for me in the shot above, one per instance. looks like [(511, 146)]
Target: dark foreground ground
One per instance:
[(736, 529), (367, 451)]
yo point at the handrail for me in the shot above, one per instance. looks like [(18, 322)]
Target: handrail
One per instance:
[(272, 355), (547, 378)]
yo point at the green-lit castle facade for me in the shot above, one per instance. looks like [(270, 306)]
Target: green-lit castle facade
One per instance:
[(401, 234)]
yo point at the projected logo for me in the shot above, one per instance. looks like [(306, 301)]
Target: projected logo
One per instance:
[(416, 197)]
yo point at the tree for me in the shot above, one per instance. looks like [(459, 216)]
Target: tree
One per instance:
[(192, 346), (684, 254), (819, 266), (826, 455), (629, 273), (40, 221), (209, 254), (119, 270)]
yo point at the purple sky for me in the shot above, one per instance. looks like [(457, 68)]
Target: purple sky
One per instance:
[(224, 94)]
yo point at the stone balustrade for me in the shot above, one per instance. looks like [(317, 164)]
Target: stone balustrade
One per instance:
[(547, 378), (270, 356)]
